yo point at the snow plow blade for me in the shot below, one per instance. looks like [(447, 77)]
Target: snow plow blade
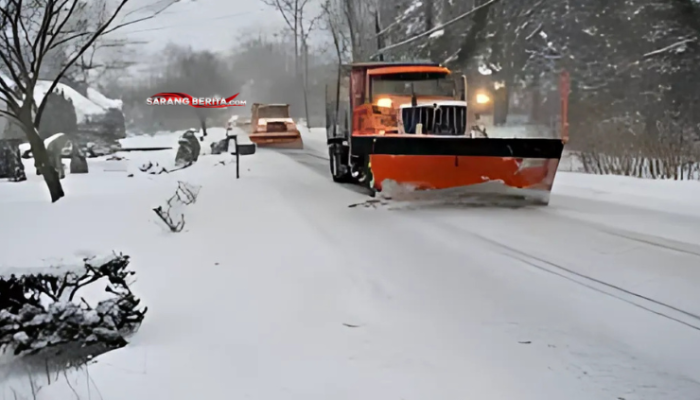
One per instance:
[(526, 166), (281, 140)]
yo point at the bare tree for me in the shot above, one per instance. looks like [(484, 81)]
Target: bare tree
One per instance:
[(29, 31), (295, 13), (305, 31), (107, 54), (292, 12), (341, 43), (348, 10), (104, 56), (200, 74), (338, 29)]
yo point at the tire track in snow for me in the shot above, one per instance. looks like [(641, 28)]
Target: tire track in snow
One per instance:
[(689, 319), (319, 165), (676, 314), (652, 240), (599, 364), (656, 241)]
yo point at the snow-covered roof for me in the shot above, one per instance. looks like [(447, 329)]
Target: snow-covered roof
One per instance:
[(103, 101), (84, 107)]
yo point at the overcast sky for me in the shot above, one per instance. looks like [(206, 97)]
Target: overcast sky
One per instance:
[(203, 24)]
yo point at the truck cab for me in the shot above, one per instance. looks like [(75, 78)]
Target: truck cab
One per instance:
[(406, 99), (403, 98), (392, 99), (412, 99)]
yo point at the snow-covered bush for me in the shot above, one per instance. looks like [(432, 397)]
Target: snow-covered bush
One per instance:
[(619, 149), (188, 150), (59, 116), (39, 312)]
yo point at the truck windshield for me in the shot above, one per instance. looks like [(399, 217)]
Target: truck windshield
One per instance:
[(424, 84), (273, 112)]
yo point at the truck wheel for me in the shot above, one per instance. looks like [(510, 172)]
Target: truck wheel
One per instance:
[(365, 177), (339, 172)]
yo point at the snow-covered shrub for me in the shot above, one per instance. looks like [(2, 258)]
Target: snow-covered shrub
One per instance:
[(58, 116), (620, 150), (114, 121), (188, 150), (11, 166), (42, 311)]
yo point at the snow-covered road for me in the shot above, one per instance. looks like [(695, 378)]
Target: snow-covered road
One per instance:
[(279, 290)]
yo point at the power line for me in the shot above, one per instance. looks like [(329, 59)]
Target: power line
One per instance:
[(188, 23)]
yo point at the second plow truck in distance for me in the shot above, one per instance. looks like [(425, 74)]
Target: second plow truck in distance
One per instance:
[(412, 125), (271, 126)]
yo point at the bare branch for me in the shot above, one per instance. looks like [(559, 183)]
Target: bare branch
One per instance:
[(393, 25), (284, 8), (136, 21), (673, 46), (435, 29), (80, 52)]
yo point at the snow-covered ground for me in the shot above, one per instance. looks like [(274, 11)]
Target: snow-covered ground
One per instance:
[(277, 289)]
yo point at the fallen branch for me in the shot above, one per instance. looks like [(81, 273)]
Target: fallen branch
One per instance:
[(173, 225), (171, 213)]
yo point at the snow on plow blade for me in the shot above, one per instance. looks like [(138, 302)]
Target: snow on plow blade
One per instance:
[(516, 166), (278, 140)]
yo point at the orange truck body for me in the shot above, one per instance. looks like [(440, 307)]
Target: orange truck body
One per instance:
[(272, 126), (383, 144)]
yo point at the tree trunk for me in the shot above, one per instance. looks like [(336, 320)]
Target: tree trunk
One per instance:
[(306, 84), (296, 40), (41, 157), (377, 29), (428, 15), (349, 12)]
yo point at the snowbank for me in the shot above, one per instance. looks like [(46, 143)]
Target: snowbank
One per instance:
[(662, 195)]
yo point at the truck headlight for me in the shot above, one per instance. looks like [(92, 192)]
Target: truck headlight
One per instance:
[(482, 98), (384, 103)]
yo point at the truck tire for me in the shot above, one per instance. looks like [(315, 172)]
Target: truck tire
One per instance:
[(366, 178), (339, 171)]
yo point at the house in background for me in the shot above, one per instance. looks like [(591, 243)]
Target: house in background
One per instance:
[(97, 119), (92, 118)]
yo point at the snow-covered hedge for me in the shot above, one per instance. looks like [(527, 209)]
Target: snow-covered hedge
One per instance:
[(43, 311), (598, 163), (675, 167)]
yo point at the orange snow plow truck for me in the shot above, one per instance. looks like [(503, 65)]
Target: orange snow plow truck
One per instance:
[(271, 126), (416, 125)]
